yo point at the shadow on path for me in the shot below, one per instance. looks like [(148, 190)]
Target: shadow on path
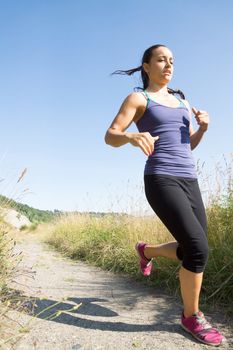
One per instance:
[(70, 312)]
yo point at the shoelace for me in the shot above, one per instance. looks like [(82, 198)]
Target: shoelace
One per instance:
[(203, 321), (149, 262)]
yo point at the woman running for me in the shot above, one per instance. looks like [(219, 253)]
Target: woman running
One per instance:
[(166, 136)]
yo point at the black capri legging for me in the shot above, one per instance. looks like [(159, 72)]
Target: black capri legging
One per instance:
[(177, 202)]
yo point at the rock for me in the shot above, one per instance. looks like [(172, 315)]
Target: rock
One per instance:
[(14, 218)]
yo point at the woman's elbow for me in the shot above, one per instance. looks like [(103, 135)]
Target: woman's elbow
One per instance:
[(107, 138)]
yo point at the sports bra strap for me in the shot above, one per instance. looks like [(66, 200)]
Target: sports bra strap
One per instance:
[(179, 99), (146, 94), (147, 97), (181, 102)]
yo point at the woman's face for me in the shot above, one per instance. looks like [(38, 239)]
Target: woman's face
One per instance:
[(160, 67)]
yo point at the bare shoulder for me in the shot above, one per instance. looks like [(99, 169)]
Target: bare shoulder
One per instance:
[(136, 98), (134, 103)]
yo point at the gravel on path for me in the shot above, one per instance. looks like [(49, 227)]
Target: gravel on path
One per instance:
[(98, 310)]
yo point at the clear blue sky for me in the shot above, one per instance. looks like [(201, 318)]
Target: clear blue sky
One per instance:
[(57, 97)]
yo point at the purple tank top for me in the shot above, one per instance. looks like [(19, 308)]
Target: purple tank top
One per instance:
[(172, 153)]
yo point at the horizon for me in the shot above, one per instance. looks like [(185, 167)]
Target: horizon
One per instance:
[(58, 97)]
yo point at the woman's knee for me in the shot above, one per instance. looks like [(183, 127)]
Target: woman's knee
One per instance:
[(203, 253), (196, 257)]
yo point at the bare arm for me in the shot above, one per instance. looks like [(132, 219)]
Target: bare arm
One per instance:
[(202, 119), (196, 137), (116, 135)]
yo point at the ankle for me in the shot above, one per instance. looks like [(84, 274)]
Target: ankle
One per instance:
[(145, 255), (189, 314)]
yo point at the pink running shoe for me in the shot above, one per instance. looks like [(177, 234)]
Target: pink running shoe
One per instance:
[(201, 329), (145, 264)]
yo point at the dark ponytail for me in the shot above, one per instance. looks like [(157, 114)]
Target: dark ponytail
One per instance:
[(127, 72), (173, 92), (145, 79)]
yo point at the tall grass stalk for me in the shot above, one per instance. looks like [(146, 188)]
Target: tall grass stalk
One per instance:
[(9, 260), (8, 263)]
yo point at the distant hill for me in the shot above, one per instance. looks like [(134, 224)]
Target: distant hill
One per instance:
[(34, 215), (38, 215)]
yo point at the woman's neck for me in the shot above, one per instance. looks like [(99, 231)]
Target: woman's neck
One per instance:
[(158, 89)]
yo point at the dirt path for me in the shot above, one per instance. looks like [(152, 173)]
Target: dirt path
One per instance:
[(115, 312)]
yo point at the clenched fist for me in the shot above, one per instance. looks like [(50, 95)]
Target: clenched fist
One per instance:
[(202, 119), (144, 140)]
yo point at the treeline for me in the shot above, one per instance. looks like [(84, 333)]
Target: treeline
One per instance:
[(38, 215), (34, 215)]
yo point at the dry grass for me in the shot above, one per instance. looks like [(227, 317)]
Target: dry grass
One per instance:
[(9, 260), (108, 241), (8, 268)]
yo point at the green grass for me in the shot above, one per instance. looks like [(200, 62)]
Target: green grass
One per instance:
[(219, 273), (8, 263)]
